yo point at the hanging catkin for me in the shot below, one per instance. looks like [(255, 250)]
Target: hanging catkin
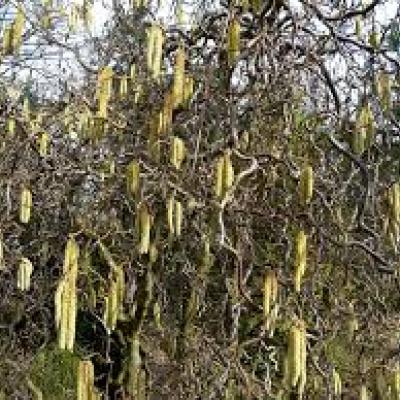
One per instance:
[(306, 185), (178, 152), (337, 383), (2, 262), (233, 45), (85, 380), (133, 178), (25, 270), (144, 221), (25, 206), (300, 259), (297, 356), (179, 77), (270, 292), (224, 175), (66, 297), (155, 42), (43, 144)]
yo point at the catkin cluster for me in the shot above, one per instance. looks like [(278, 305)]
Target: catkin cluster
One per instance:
[(104, 90), (155, 42), (233, 41), (114, 299), (270, 296), (24, 273), (306, 185), (392, 217), (13, 34), (297, 357), (133, 178), (85, 382), (300, 259), (25, 208), (224, 175), (144, 221), (174, 216), (66, 297), (137, 375), (364, 133), (178, 152)]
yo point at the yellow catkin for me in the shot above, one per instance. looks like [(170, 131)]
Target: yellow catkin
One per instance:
[(178, 152), (158, 52), (25, 206), (25, 270), (303, 359), (145, 227), (112, 304), (394, 202), (8, 40), (178, 218), (364, 393), (394, 382), (135, 365), (72, 297), (66, 297), (43, 144), (384, 90), (2, 262), (26, 108), (233, 41), (228, 172), (58, 297), (179, 77), (63, 316), (167, 112), (188, 88), (358, 28), (300, 259), (104, 90), (157, 315), (297, 356), (337, 383), (85, 381), (306, 185), (123, 86), (68, 315), (150, 33), (120, 282), (71, 256), (170, 215), (294, 355), (270, 292), (18, 29), (133, 178), (155, 42), (367, 120), (11, 126), (132, 72)]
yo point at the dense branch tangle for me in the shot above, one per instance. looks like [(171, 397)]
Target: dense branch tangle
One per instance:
[(214, 214)]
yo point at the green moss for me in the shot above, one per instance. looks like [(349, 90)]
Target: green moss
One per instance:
[(339, 352), (53, 371)]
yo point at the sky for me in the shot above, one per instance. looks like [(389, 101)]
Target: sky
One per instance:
[(101, 12)]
